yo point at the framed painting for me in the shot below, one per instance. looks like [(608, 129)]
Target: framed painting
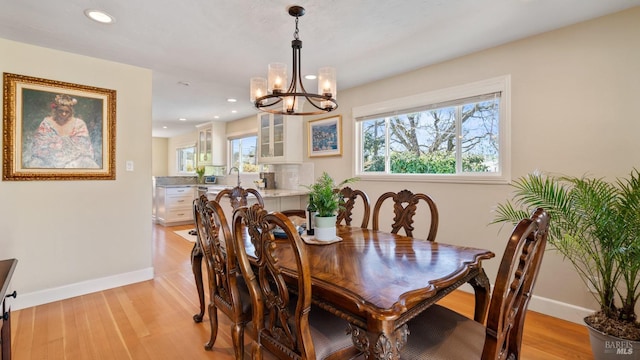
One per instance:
[(325, 136), (55, 130)]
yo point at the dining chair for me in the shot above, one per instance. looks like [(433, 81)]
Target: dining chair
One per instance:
[(405, 205), (441, 333), (238, 196), (285, 323), (227, 290), (350, 197)]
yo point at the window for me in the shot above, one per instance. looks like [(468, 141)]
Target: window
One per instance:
[(186, 159), (243, 153), (455, 135)]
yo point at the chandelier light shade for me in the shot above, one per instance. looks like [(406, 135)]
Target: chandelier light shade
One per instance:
[(273, 95)]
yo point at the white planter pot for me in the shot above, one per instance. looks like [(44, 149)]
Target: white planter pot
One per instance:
[(325, 228), (607, 347)]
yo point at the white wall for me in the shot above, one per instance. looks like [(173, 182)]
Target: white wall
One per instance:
[(574, 96), (159, 153), (74, 237)]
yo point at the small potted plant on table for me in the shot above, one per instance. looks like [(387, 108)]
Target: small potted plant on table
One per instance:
[(325, 199)]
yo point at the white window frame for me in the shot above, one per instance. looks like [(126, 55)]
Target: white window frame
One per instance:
[(179, 149), (237, 136), (500, 84)]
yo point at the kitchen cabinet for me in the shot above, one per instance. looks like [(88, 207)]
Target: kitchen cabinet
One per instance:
[(279, 139), (211, 146), (174, 205)]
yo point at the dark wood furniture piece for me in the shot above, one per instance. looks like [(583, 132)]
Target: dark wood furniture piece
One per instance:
[(441, 333), (6, 272), (238, 196), (227, 290), (404, 208), (350, 198), (285, 323), (379, 281)]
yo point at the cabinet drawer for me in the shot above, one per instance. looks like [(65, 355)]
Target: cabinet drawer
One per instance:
[(179, 202), (179, 215), (180, 191)]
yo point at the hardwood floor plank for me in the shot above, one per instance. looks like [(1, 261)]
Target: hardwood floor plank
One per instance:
[(153, 320)]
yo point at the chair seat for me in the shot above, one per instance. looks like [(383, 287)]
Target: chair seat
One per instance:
[(441, 333), (329, 333)]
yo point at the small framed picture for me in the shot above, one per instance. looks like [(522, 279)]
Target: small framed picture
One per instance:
[(325, 136), (55, 130)]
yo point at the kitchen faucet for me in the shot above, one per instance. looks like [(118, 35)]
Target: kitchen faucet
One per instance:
[(238, 171)]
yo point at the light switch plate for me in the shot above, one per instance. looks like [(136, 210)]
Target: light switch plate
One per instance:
[(129, 165)]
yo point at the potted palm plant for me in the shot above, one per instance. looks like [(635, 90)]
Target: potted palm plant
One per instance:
[(325, 199), (595, 225)]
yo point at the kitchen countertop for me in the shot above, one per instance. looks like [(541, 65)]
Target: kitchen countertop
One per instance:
[(282, 193), (272, 193), (215, 189)]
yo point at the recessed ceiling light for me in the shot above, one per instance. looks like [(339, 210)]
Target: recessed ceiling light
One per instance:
[(234, 111), (231, 100), (310, 77), (182, 119), (164, 127), (216, 117), (99, 16)]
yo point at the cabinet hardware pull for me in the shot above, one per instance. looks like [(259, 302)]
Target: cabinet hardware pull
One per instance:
[(13, 294)]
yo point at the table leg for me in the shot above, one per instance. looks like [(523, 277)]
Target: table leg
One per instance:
[(482, 288), (380, 346), (196, 267)]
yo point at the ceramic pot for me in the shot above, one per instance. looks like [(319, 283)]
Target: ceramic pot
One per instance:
[(607, 347), (325, 228)]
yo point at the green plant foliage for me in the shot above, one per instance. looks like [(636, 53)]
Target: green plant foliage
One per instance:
[(595, 225), (430, 163), (325, 195)]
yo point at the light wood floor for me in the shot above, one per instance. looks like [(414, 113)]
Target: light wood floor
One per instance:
[(153, 320)]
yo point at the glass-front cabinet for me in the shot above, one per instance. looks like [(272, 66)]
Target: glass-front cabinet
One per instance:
[(279, 139), (211, 143)]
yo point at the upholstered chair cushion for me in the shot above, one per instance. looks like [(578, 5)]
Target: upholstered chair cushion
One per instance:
[(448, 335)]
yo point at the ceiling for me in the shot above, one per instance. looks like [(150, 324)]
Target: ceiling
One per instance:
[(215, 47)]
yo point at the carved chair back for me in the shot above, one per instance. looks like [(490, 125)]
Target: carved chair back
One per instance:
[(238, 196), (404, 208), (349, 199), (513, 288), (227, 290), (282, 305)]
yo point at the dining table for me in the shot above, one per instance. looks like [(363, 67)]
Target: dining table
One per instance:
[(377, 281)]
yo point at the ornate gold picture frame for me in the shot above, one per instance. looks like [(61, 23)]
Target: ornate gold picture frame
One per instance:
[(54, 130), (325, 136)]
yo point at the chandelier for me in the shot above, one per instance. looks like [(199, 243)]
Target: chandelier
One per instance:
[(271, 96)]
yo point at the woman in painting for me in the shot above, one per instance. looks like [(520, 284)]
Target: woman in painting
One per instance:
[(62, 140)]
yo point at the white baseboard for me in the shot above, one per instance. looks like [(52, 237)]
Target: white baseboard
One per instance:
[(557, 309), (85, 287)]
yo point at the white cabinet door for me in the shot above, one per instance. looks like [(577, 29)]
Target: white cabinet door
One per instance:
[(212, 143), (279, 139)]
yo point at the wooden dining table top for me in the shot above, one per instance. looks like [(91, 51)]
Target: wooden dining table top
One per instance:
[(376, 273)]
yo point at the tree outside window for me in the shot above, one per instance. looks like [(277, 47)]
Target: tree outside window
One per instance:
[(454, 139)]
